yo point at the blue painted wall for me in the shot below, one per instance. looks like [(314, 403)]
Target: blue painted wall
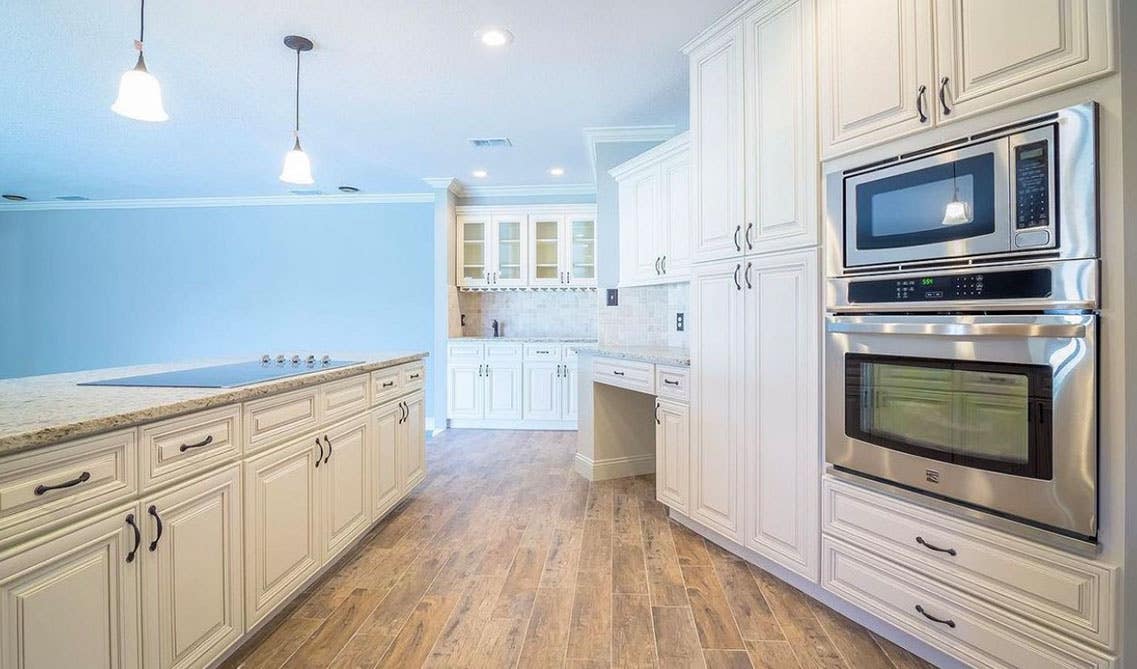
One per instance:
[(85, 289)]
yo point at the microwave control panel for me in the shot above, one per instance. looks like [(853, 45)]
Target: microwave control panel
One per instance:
[(1032, 185), (1015, 284)]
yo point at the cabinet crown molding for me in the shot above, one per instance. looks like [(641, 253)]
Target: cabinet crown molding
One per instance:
[(722, 23), (671, 147)]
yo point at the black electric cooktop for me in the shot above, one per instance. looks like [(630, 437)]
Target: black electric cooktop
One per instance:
[(226, 376)]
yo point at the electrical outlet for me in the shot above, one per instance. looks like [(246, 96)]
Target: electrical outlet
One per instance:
[(680, 322), (613, 297)]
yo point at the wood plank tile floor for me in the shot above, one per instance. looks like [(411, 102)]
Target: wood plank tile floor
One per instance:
[(505, 557)]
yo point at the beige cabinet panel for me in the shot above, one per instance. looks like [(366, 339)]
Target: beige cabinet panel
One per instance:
[(383, 462), (345, 500), (412, 443)]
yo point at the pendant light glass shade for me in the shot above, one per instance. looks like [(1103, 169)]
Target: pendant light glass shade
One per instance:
[(140, 95), (297, 168), (956, 213)]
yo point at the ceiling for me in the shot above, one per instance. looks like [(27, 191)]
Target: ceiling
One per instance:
[(389, 96)]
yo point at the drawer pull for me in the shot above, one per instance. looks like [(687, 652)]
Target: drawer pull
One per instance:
[(671, 383), (949, 622), (932, 547), (153, 511), (542, 352), (389, 384), (204, 442), (415, 375), (137, 537), (617, 373), (82, 478)]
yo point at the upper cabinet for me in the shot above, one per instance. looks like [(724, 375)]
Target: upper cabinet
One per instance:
[(526, 247), (655, 212), (892, 67)]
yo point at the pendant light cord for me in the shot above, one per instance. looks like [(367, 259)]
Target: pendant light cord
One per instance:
[(297, 93), (141, 24)]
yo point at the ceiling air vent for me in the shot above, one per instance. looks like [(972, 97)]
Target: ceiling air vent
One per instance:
[(307, 192), (491, 142)]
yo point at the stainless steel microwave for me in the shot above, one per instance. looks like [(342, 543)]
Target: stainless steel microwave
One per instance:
[(1028, 189)]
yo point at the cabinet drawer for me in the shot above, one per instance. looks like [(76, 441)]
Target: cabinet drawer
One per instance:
[(386, 385), (571, 354), (44, 487), (970, 629), (504, 353), (465, 352), (672, 382), (542, 352), (343, 398), (413, 377), (1071, 594), (638, 376), (275, 419), (187, 445)]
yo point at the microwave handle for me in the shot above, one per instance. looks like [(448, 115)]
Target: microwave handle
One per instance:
[(1044, 330)]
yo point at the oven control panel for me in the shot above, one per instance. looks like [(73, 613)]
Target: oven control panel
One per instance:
[(1007, 285), (1032, 185)]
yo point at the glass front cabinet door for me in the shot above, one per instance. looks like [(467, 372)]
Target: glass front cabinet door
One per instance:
[(547, 249), (509, 267), (580, 250), (474, 251)]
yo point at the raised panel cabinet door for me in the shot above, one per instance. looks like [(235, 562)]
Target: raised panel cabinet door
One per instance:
[(542, 391), (465, 391), (570, 398), (510, 251), (503, 391), (384, 462), (672, 454), (717, 395), (981, 65), (781, 146), (412, 443), (191, 580), (783, 443), (717, 154), (875, 71), (345, 504), (675, 217), (475, 252), (629, 233), (649, 246), (282, 525), (546, 238), (72, 599), (579, 246)]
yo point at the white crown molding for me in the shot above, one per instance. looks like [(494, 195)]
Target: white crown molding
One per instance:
[(446, 183), (524, 191), (653, 156), (720, 24), (199, 202), (620, 134)]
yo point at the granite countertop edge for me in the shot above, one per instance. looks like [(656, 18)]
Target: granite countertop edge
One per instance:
[(533, 340), (656, 355), (64, 431)]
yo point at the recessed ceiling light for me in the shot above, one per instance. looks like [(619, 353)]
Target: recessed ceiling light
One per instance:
[(557, 171), (480, 174), (495, 37), (13, 197), (348, 189)]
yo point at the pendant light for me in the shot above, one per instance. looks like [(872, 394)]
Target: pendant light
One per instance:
[(139, 94), (957, 212), (297, 167)]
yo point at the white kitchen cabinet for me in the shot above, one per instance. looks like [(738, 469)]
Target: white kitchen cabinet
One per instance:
[(72, 599), (570, 397), (717, 147), (383, 462), (672, 454), (411, 443), (192, 571), (508, 385), (562, 248), (718, 374), (344, 488), (675, 214), (782, 434), (465, 391), (475, 250), (579, 257), (782, 171), (543, 389), (526, 246), (282, 525), (981, 65), (492, 250), (504, 388)]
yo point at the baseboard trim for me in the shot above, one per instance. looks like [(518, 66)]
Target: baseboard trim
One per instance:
[(544, 425), (614, 468)]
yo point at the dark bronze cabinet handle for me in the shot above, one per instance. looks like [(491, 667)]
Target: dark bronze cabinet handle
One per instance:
[(657, 421), (669, 382), (737, 283), (391, 384), (415, 375), (943, 95), (137, 537), (204, 442), (329, 455), (657, 266), (949, 622), (737, 230), (321, 455), (480, 369), (921, 93), (618, 373), (749, 286), (82, 478), (749, 227), (153, 511), (925, 544)]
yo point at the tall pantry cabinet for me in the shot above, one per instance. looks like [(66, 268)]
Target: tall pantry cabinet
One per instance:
[(755, 295)]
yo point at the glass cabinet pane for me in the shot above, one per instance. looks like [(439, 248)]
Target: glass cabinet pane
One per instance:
[(582, 248), (547, 242), (474, 249), (509, 250)]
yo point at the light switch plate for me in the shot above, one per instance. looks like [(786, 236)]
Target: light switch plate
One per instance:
[(613, 297)]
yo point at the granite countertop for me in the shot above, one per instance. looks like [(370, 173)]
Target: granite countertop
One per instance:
[(660, 355), (531, 340), (38, 411)]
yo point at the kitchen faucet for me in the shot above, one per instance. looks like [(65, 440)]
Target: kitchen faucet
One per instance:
[(496, 328)]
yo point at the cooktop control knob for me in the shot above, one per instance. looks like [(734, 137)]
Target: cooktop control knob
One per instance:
[(280, 359), (296, 360), (311, 360), (266, 359), (327, 359)]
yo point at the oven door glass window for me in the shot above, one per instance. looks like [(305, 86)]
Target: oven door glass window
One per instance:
[(991, 416), (940, 203)]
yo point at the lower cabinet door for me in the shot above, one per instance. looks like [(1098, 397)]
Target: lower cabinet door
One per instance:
[(191, 571), (465, 384), (570, 400), (383, 461), (282, 542), (503, 392), (72, 599), (543, 391), (412, 443), (343, 484), (672, 454)]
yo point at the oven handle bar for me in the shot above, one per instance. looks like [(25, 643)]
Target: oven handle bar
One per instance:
[(1044, 330)]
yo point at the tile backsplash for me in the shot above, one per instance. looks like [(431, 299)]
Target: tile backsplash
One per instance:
[(645, 316), (530, 313)]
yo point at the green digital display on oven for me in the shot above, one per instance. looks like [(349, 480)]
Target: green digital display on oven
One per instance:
[(927, 282)]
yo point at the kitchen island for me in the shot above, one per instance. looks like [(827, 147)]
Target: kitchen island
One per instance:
[(166, 525)]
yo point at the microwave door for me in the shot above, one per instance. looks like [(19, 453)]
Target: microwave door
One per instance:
[(950, 205)]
